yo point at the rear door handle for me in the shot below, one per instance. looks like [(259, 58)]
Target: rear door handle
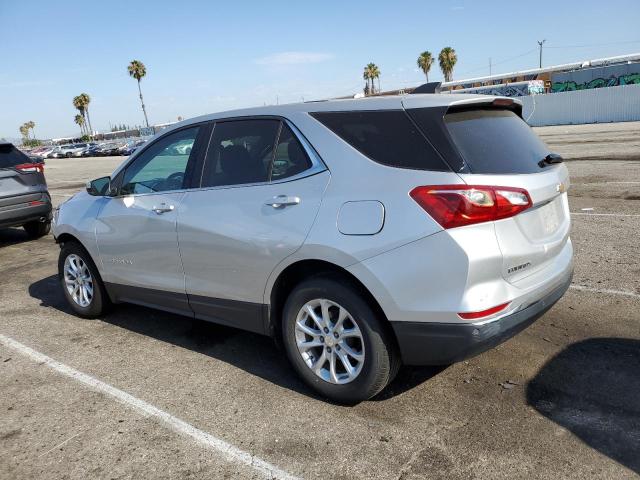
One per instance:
[(163, 208), (283, 201)]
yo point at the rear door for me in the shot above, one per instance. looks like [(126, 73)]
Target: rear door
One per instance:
[(492, 145), (255, 207)]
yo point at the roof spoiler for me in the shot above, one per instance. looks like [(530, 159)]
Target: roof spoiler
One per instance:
[(431, 87)]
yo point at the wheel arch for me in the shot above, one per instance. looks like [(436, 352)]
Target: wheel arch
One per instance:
[(302, 270)]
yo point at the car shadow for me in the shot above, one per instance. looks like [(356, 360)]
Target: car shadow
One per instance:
[(253, 353), (12, 236), (592, 388)]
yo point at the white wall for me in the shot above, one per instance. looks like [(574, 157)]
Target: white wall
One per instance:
[(601, 105)]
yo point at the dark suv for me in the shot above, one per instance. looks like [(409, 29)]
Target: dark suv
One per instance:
[(24, 199)]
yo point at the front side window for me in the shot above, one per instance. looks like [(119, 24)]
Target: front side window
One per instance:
[(162, 166), (240, 151)]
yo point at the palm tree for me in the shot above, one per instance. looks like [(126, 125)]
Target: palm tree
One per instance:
[(371, 72), (86, 100), (24, 131), (137, 70), (447, 60), (79, 119), (425, 60), (78, 102), (367, 78), (30, 126)]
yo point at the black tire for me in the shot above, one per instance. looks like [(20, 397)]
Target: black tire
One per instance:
[(100, 303), (381, 359), (37, 229), (68, 155)]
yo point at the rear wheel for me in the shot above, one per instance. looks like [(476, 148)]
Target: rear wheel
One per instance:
[(68, 155), (336, 342), (81, 282), (37, 229)]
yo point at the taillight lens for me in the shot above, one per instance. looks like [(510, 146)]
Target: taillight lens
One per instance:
[(30, 167), (458, 205)]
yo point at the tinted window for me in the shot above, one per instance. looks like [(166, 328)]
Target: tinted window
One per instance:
[(10, 156), (385, 136), (290, 158), (240, 152), (162, 166), (495, 141)]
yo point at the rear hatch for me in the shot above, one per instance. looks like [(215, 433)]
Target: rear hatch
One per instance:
[(487, 143), (21, 179)]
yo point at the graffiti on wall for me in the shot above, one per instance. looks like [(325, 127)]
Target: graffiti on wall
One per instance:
[(519, 89), (609, 76)]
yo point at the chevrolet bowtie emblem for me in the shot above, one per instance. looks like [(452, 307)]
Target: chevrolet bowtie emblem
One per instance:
[(561, 188)]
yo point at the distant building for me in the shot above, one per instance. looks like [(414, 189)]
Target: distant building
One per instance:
[(599, 73)]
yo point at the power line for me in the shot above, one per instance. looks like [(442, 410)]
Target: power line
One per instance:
[(493, 64)]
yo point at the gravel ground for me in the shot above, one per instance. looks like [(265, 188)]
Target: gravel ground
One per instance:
[(560, 400)]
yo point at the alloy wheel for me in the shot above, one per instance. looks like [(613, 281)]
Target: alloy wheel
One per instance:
[(329, 341), (78, 280)]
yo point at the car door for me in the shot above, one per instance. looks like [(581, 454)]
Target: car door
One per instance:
[(136, 230), (255, 207)]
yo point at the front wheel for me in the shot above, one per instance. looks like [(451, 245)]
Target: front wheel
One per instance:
[(81, 282), (336, 341)]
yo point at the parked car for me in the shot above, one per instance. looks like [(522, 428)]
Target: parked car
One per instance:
[(107, 149), (131, 147), (92, 150), (46, 151), (24, 198), (81, 149), (362, 234), (57, 152)]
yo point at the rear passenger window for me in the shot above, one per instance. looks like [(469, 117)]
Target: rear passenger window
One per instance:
[(290, 158), (240, 152), (10, 156), (385, 136)]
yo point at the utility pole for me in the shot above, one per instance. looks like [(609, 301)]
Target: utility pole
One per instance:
[(540, 45)]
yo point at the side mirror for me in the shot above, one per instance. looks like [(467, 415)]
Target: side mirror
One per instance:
[(99, 187)]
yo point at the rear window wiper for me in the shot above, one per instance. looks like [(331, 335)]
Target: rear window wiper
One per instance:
[(550, 159)]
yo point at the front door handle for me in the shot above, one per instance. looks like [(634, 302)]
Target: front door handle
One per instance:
[(283, 201), (163, 208)]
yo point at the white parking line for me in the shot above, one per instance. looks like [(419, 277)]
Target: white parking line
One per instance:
[(624, 293), (231, 452), (606, 214)]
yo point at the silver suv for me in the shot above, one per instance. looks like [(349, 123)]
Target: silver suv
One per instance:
[(361, 234)]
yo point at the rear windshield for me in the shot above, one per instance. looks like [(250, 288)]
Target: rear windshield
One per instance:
[(385, 136), (10, 156), (495, 141)]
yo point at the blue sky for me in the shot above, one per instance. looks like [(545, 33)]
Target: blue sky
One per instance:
[(207, 56)]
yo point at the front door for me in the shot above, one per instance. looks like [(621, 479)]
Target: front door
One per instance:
[(136, 231)]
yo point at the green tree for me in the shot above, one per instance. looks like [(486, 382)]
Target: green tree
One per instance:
[(24, 131), (85, 99), (137, 70), (31, 126), (78, 102), (447, 60), (425, 60), (79, 120), (371, 72)]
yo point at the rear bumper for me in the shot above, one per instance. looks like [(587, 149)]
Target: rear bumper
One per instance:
[(19, 214), (430, 343)]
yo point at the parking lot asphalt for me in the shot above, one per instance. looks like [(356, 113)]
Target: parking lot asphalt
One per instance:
[(147, 394)]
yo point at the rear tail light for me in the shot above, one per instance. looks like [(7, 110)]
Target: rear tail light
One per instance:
[(458, 205), (483, 313), (30, 167)]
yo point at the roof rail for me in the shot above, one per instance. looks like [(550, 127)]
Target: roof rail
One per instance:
[(431, 87)]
